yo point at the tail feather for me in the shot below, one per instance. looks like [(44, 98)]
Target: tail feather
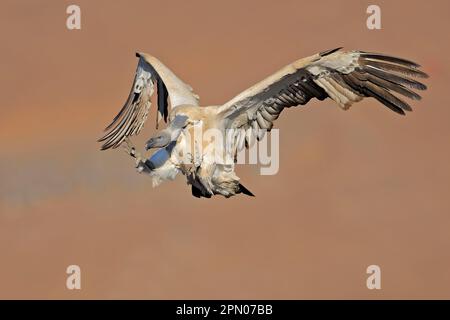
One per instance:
[(244, 190)]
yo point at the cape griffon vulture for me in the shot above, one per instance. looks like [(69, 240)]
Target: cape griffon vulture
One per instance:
[(346, 77)]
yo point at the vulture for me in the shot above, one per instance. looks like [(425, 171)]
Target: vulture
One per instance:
[(346, 77)]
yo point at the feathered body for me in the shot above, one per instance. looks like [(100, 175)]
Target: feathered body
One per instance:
[(195, 157), (346, 77)]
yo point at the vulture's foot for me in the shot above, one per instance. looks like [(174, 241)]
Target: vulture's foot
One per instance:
[(130, 149)]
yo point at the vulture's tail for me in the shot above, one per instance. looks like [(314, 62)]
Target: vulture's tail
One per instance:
[(244, 190)]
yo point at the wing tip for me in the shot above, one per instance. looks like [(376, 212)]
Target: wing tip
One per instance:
[(327, 52), (389, 58), (103, 147), (106, 146)]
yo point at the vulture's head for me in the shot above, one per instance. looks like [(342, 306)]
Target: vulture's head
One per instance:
[(161, 140), (171, 133)]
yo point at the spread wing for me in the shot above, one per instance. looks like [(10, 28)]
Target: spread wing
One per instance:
[(343, 76), (131, 118)]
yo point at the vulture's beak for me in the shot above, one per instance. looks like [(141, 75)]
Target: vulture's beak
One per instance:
[(150, 144), (160, 141)]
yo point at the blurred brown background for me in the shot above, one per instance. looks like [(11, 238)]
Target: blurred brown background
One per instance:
[(354, 188)]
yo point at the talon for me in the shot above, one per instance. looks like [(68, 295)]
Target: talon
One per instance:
[(129, 148), (139, 162)]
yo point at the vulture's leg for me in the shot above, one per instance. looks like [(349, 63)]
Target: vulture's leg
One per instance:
[(197, 188), (198, 193), (204, 176), (130, 149)]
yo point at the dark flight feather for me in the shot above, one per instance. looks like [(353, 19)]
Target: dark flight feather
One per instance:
[(394, 78), (383, 57), (412, 72)]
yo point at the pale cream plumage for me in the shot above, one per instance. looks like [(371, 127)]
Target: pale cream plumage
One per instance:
[(346, 77)]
